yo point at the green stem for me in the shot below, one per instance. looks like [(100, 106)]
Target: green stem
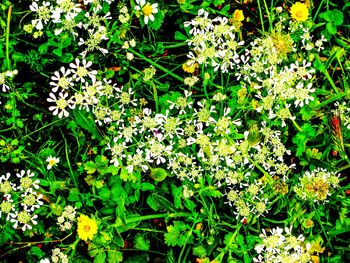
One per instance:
[(329, 78), (266, 174), (293, 121), (180, 44), (228, 245), (189, 233), (44, 127), (155, 64), (155, 96), (261, 17), (68, 161), (8, 38), (147, 217), (318, 10), (330, 100), (268, 14)]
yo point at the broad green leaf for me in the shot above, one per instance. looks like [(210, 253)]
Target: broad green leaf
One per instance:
[(164, 203), (147, 187), (86, 121), (158, 174), (179, 36)]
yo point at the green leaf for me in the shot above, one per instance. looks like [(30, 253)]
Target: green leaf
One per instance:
[(177, 234), (43, 48), (152, 203), (199, 251), (104, 193), (90, 167), (190, 205), (73, 195), (57, 52), (114, 256), (331, 28), (158, 174), (333, 16), (179, 36), (100, 257), (147, 187), (86, 121), (163, 202), (141, 243)]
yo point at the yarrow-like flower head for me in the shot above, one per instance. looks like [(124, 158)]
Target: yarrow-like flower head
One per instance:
[(299, 12)]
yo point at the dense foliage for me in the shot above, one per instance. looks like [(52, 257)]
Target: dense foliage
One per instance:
[(174, 131)]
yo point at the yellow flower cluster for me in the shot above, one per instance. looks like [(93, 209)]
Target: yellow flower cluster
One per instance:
[(87, 227)]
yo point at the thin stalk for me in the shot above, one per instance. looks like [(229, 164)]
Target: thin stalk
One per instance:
[(261, 17), (268, 14), (329, 78), (318, 10), (184, 246), (44, 127), (155, 96), (8, 38), (155, 64), (293, 121), (180, 44), (268, 176), (330, 100), (68, 161)]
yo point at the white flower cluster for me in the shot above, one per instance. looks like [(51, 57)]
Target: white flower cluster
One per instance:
[(23, 194), (66, 219), (58, 256), (213, 42), (279, 247), (316, 185), (68, 16), (7, 74)]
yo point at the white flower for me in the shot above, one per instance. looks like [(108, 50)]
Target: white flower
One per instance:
[(44, 260), (63, 82), (61, 104), (147, 10), (81, 71), (26, 182), (25, 219), (52, 162), (43, 12)]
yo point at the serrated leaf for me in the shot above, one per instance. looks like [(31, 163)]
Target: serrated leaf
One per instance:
[(141, 243), (86, 121), (100, 257), (114, 256)]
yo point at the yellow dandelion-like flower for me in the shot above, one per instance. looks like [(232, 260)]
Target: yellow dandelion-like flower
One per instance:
[(299, 12), (238, 15), (87, 227)]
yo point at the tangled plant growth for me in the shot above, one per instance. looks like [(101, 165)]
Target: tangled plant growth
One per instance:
[(174, 131)]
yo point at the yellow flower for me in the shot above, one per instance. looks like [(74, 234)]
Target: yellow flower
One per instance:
[(299, 12), (189, 66), (87, 227), (238, 15)]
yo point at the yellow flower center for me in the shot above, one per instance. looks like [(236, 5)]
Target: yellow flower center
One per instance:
[(86, 228), (147, 9)]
